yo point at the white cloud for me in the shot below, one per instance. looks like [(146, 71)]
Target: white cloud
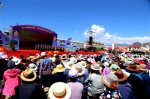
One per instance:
[(107, 38)]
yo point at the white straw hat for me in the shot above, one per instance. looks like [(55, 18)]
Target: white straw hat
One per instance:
[(59, 90)]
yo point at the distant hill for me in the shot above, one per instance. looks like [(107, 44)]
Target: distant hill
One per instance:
[(137, 43), (140, 44), (120, 45)]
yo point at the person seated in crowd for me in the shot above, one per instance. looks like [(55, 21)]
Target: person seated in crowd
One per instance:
[(124, 87), (145, 76), (29, 89), (80, 71), (59, 75), (76, 87), (68, 67), (96, 85), (114, 67), (111, 84), (136, 81)]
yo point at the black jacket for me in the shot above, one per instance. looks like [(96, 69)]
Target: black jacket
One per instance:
[(29, 91)]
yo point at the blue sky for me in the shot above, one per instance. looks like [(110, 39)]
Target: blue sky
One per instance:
[(122, 21)]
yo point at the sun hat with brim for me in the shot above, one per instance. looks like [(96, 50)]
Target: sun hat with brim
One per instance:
[(64, 56), (127, 63), (28, 75), (73, 59), (106, 71), (121, 76), (132, 67), (106, 64), (59, 90), (142, 67), (83, 63), (43, 53), (96, 67), (108, 79), (69, 65), (59, 68), (16, 60), (72, 73), (33, 67)]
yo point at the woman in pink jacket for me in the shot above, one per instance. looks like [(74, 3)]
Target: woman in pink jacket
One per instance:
[(11, 78)]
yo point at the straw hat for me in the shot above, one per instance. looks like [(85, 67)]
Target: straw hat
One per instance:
[(78, 67), (16, 60), (132, 67), (121, 76), (83, 63), (72, 73), (127, 63), (59, 68), (108, 79), (142, 67), (59, 90), (69, 64), (28, 75), (64, 56), (106, 64), (73, 59), (96, 67)]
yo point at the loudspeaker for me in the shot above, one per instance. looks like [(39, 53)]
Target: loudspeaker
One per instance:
[(90, 40)]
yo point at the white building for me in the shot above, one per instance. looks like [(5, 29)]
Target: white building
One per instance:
[(77, 43)]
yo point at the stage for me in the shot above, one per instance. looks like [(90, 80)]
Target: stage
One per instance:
[(34, 52)]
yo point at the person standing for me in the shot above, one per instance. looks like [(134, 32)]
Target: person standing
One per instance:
[(12, 79)]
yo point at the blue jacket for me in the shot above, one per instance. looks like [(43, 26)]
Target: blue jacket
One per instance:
[(126, 90), (146, 80)]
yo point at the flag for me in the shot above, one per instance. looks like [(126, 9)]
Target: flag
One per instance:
[(68, 42)]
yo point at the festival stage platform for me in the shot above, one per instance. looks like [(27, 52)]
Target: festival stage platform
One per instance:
[(34, 52)]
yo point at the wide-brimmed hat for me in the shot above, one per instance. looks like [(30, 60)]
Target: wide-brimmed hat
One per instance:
[(16, 60), (59, 90), (64, 56), (28, 75), (59, 68), (96, 67), (78, 67), (33, 67), (73, 59), (106, 64), (69, 64), (127, 63), (142, 67), (83, 63), (43, 53), (121, 76), (106, 71), (3, 55), (72, 73), (108, 79), (132, 67)]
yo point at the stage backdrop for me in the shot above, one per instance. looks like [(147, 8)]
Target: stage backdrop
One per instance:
[(29, 35)]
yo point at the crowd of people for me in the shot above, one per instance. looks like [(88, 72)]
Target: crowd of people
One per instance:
[(75, 76)]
